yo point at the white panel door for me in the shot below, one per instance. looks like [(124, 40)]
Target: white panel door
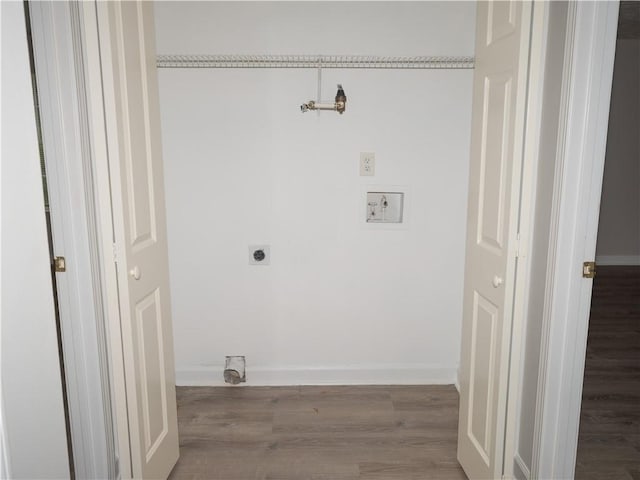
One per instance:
[(502, 43), (133, 131)]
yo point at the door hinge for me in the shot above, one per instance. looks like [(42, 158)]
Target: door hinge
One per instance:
[(588, 269), (59, 264), (520, 251), (115, 253)]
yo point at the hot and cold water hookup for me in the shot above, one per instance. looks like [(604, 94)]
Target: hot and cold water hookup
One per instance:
[(339, 105)]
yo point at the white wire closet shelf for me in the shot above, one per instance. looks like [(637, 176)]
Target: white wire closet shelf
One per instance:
[(313, 61)]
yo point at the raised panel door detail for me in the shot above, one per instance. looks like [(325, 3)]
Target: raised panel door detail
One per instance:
[(138, 157), (483, 351), (133, 127), (148, 323), (494, 149), (501, 20), (498, 119)]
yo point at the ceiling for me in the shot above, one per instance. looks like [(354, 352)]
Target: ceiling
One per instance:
[(629, 20)]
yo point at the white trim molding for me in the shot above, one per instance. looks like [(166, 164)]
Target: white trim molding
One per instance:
[(58, 47), (96, 44), (396, 374), (520, 470), (34, 433), (513, 464), (5, 469), (586, 89), (623, 260)]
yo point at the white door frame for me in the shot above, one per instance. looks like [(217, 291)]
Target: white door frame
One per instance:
[(530, 161), (56, 36), (587, 86), (106, 234), (67, 55), (32, 425), (586, 91)]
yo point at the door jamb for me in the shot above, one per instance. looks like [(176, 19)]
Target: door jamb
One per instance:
[(90, 199), (60, 61), (93, 45), (535, 91), (586, 91)]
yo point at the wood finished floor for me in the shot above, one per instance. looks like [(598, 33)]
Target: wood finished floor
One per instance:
[(609, 439), (318, 433)]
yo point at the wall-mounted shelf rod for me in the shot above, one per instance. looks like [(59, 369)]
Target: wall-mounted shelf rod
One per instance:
[(312, 61)]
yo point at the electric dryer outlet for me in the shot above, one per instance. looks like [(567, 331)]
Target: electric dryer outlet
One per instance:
[(259, 255)]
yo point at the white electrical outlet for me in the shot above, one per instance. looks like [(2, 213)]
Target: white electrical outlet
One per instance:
[(367, 164)]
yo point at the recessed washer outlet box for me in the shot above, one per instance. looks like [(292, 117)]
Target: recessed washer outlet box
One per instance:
[(385, 207), (259, 255)]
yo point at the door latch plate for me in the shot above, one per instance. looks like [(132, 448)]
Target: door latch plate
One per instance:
[(59, 264), (589, 269)]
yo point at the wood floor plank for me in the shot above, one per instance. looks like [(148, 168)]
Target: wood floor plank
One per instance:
[(416, 470), (318, 433), (609, 438)]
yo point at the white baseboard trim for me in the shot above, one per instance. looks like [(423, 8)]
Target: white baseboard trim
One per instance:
[(4, 455), (618, 260), (397, 374), (520, 469)]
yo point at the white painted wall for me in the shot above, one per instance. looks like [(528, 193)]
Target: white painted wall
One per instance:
[(33, 415), (619, 225), (340, 303)]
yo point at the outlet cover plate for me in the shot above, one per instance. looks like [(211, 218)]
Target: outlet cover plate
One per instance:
[(367, 164)]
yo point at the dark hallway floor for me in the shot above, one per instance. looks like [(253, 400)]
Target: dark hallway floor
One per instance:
[(609, 440)]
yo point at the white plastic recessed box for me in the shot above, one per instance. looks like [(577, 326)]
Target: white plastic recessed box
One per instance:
[(385, 207)]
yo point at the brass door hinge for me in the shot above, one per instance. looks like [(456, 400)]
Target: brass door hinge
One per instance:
[(589, 269), (59, 264)]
